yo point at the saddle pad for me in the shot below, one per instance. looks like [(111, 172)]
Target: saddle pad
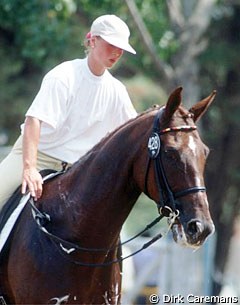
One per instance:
[(12, 220), (14, 214)]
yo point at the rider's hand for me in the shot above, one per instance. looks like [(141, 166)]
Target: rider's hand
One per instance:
[(32, 181)]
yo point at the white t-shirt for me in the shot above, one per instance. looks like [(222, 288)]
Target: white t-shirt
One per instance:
[(77, 109)]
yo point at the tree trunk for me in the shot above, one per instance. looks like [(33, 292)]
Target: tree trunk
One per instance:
[(189, 21)]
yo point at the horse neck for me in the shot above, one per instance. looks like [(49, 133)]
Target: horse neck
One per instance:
[(105, 188)]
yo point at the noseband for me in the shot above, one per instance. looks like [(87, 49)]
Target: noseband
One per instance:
[(167, 198)]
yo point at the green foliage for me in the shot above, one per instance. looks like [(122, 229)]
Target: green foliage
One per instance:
[(35, 35), (155, 16), (34, 27), (144, 92)]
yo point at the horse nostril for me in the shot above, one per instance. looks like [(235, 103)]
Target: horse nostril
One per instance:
[(194, 227)]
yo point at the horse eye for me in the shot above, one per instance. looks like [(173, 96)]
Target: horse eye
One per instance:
[(170, 150), (171, 153)]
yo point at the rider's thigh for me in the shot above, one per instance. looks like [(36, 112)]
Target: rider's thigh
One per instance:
[(10, 175)]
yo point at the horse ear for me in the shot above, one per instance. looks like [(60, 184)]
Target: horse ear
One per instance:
[(201, 107), (173, 102)]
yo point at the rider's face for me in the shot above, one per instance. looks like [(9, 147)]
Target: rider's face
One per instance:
[(104, 53)]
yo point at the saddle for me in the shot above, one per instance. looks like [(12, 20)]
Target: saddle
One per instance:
[(15, 205)]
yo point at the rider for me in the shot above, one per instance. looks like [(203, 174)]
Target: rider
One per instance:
[(78, 103)]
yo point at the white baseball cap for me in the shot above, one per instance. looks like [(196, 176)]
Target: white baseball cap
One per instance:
[(113, 30)]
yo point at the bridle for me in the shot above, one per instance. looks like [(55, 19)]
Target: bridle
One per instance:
[(167, 198), (166, 204)]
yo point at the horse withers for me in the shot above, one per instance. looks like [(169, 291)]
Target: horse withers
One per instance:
[(72, 257)]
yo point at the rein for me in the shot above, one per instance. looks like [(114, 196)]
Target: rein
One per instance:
[(167, 208), (167, 197), (62, 245)]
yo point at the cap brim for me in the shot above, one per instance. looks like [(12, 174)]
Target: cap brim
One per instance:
[(118, 43)]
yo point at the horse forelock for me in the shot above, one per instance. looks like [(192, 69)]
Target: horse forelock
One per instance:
[(180, 116), (184, 113)]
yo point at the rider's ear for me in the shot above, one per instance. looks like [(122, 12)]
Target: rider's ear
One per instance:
[(173, 103), (201, 107)]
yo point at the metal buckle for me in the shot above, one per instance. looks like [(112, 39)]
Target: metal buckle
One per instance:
[(166, 211)]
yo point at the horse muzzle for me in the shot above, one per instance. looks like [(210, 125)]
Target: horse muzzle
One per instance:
[(193, 233)]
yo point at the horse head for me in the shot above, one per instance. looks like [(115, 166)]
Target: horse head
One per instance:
[(176, 181)]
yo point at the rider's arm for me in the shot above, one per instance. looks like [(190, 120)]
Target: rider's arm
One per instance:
[(31, 180)]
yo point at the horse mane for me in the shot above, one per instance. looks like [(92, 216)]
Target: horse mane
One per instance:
[(182, 112)]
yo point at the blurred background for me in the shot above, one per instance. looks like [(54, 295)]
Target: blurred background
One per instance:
[(189, 43)]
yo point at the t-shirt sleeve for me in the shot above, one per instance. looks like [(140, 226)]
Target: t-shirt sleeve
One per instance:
[(50, 104)]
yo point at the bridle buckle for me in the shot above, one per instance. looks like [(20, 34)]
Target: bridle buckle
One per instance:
[(166, 211)]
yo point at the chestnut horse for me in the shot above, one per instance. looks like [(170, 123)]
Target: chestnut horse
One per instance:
[(73, 257)]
